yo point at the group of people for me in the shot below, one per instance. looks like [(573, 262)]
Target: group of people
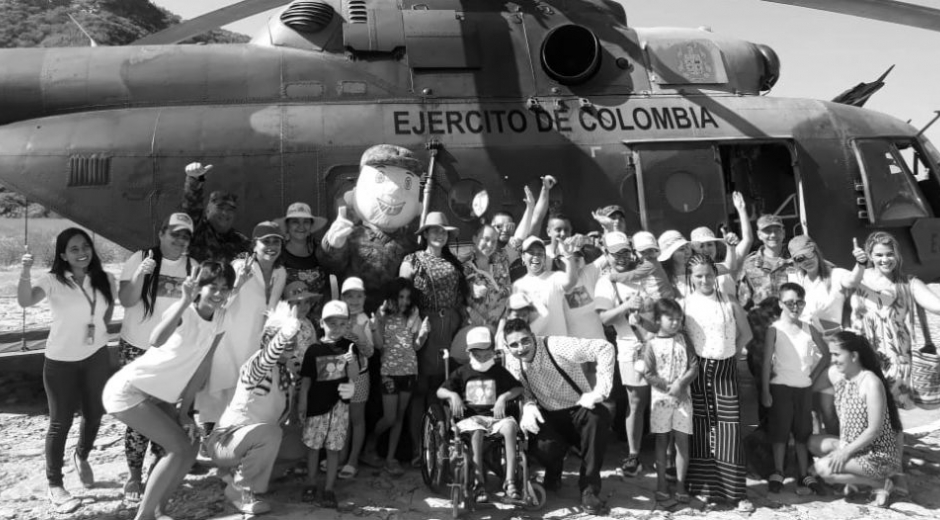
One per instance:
[(281, 339)]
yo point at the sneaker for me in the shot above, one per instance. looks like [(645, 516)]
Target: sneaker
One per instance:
[(775, 483), (815, 487), (590, 503), (631, 466), (745, 506), (251, 505)]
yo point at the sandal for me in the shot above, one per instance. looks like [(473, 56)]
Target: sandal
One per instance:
[(85, 474), (393, 468), (348, 472), (62, 501), (664, 499), (309, 495), (882, 497), (133, 489), (512, 493)]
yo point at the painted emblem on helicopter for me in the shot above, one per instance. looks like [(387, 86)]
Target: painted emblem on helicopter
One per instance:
[(695, 63)]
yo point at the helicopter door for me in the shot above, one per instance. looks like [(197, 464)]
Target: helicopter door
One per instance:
[(680, 186)]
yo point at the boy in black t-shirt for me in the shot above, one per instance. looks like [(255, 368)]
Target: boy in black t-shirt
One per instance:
[(325, 390), (485, 388)]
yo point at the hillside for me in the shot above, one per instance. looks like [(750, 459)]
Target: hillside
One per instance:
[(45, 23)]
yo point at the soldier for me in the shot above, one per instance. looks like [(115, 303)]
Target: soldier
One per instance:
[(214, 238)]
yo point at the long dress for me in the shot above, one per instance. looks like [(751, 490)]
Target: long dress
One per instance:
[(881, 458), (717, 465), (886, 318)]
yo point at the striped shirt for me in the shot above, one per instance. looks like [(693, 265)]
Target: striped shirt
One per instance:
[(544, 385)]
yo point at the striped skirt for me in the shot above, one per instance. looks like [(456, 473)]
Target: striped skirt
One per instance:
[(717, 466)]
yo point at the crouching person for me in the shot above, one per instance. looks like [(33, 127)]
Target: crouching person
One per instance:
[(561, 408), (247, 438)]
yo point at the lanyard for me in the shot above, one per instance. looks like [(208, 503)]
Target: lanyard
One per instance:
[(91, 300)]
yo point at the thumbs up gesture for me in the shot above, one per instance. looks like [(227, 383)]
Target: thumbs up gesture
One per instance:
[(340, 229), (27, 261), (147, 266), (861, 257)]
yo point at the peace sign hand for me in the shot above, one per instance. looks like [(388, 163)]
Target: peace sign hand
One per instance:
[(190, 286)]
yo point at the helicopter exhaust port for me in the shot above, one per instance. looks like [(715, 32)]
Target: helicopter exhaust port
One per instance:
[(571, 54)]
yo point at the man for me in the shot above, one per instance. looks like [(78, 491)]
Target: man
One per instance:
[(546, 289), (560, 407), (611, 218), (766, 269), (510, 236), (214, 238)]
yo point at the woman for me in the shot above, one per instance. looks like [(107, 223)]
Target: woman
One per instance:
[(866, 451), (258, 287), (883, 309), (487, 274), (674, 254), (299, 255), (144, 394), (441, 291), (826, 287), (76, 365), (150, 283)]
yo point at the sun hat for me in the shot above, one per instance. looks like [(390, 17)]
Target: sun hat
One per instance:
[(644, 241), (529, 242), (479, 338), (353, 283), (267, 229), (703, 234), (616, 241), (801, 245), (334, 308), (178, 221), (301, 210), (436, 219), (669, 242), (766, 221)]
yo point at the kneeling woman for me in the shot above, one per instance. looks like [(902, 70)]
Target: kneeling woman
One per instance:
[(154, 393), (867, 451)]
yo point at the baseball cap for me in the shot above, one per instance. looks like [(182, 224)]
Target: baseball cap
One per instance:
[(766, 221), (479, 338), (644, 241), (703, 234), (267, 229), (224, 197), (607, 211), (801, 245), (529, 242), (353, 283), (334, 308), (669, 242), (178, 221), (616, 241)]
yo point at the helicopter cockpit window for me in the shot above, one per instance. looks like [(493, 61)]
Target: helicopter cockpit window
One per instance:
[(891, 185)]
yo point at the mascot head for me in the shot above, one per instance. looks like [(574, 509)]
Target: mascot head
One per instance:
[(387, 194)]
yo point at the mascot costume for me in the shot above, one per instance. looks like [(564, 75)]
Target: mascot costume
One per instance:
[(387, 199)]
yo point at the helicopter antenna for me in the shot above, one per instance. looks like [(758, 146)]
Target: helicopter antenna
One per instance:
[(80, 28), (932, 121)]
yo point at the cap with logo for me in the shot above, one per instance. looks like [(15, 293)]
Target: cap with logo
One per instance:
[(353, 283), (479, 338), (178, 221), (335, 308)]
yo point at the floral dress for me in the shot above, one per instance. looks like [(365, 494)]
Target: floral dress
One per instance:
[(437, 284), (881, 458), (399, 357), (886, 318), (489, 289)]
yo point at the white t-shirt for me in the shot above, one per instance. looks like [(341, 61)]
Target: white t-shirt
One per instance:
[(580, 314), (546, 290), (71, 315), (795, 355), (136, 327), (608, 295), (823, 304), (164, 371)]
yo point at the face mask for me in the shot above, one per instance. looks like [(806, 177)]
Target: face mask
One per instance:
[(482, 367)]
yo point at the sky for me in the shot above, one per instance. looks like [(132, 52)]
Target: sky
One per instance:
[(821, 53)]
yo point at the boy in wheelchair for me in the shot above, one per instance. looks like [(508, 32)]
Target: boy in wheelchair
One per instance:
[(485, 388)]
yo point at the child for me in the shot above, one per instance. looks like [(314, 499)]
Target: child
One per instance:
[(791, 365), (486, 388), (669, 366), (324, 395), (397, 322), (360, 333)]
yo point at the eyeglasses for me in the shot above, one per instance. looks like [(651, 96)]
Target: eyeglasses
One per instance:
[(794, 304), (802, 258), (524, 342)]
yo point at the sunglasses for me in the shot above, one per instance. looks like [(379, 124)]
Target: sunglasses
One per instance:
[(802, 258), (794, 304)]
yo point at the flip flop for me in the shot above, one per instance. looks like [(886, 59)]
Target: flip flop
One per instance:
[(63, 503), (665, 500), (347, 472), (133, 489)]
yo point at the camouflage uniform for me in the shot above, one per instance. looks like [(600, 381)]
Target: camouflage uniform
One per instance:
[(762, 278), (207, 243)]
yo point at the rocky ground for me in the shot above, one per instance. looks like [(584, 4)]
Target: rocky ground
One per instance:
[(22, 484)]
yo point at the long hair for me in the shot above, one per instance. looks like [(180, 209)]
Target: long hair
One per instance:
[(701, 259), (859, 344), (148, 293), (97, 274), (210, 271), (883, 238), (393, 288), (463, 289), (824, 269)]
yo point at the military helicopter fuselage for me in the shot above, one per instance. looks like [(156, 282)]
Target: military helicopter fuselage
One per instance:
[(666, 122)]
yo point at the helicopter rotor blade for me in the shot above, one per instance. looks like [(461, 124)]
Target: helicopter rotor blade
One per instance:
[(209, 21), (892, 11)]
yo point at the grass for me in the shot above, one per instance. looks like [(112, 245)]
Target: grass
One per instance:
[(42, 234)]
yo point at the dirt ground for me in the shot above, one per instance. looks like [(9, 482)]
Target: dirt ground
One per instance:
[(375, 496)]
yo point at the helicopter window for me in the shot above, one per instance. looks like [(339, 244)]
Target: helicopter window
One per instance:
[(468, 200), (684, 192), (891, 186)]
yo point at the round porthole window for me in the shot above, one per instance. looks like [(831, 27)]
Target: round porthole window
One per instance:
[(684, 192), (468, 200)]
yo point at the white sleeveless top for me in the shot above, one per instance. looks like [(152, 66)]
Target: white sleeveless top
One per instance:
[(795, 355), (710, 324)]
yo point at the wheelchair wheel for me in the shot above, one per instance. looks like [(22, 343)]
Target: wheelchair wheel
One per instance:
[(434, 450), (461, 490), (536, 496)]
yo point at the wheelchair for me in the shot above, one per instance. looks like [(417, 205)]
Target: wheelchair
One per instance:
[(447, 461)]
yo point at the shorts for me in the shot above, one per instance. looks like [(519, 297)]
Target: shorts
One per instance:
[(361, 393), (393, 385), (628, 353), (328, 430), (487, 423), (120, 395), (668, 414), (790, 412)]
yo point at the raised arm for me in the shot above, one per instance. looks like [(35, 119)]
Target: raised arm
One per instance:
[(275, 339), (194, 201), (524, 229), (861, 263), (747, 234), (571, 268), (26, 294), (541, 205)]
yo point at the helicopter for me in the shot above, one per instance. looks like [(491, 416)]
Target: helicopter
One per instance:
[(494, 95)]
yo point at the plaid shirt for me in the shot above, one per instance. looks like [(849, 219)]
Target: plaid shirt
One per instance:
[(543, 385)]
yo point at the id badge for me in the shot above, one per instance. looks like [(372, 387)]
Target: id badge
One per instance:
[(90, 334)]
